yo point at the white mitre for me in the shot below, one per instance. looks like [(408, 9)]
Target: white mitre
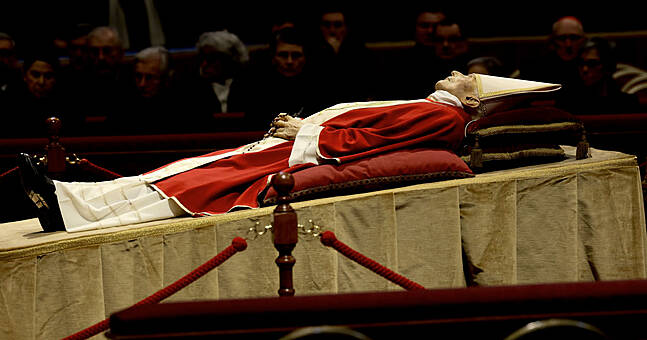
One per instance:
[(500, 93)]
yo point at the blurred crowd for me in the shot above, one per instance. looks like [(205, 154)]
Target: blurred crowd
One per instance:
[(96, 89)]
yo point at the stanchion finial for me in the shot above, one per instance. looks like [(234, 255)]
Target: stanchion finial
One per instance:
[(55, 151), (284, 232), (283, 183)]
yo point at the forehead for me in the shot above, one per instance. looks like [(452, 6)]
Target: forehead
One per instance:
[(41, 66), (149, 65), (568, 26), (430, 17), (335, 16), (103, 40), (448, 30), (282, 46)]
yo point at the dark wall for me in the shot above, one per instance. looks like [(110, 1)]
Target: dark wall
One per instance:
[(34, 21)]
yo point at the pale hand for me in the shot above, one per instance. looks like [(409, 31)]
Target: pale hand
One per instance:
[(286, 127)]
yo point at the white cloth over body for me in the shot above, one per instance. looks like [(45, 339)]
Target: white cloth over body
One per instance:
[(128, 200)]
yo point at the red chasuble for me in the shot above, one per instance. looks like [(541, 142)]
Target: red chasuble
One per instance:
[(349, 132)]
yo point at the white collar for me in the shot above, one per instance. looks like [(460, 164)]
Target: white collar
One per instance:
[(445, 97), (222, 92)]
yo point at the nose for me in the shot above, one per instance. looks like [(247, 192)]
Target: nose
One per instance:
[(456, 73), (40, 80)]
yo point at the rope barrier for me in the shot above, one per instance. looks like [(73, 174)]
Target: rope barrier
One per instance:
[(81, 162), (238, 244), (8, 172), (329, 239), (85, 162)]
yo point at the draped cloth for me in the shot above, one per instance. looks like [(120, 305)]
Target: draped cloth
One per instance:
[(568, 221), (224, 180)]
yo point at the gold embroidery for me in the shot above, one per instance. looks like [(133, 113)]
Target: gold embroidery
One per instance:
[(38, 200)]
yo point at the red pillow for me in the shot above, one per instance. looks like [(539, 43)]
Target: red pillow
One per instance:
[(388, 170)]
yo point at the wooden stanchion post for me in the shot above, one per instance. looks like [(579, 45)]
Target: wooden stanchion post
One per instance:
[(284, 232), (55, 151)]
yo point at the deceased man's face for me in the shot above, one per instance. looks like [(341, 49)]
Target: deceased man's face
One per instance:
[(462, 86), (458, 84)]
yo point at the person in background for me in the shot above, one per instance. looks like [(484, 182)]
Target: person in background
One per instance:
[(77, 50), (486, 65), (151, 95), (452, 47), (426, 22), (342, 60), (567, 38), (75, 72), (218, 83), (559, 62), (152, 72), (334, 29), (440, 47), (106, 53), (286, 84), (96, 98), (9, 68), (40, 76), (37, 97), (595, 91), (279, 19)]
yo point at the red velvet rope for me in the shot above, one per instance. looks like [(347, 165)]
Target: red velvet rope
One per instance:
[(238, 244), (329, 239), (85, 162), (8, 172)]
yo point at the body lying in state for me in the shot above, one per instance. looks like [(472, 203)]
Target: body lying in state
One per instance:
[(223, 180)]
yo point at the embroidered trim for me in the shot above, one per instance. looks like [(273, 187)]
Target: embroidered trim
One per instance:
[(495, 130), (380, 182), (528, 153)]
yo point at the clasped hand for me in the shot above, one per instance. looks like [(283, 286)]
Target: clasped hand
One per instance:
[(285, 126)]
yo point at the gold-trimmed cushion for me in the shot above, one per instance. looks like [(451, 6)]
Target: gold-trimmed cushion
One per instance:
[(522, 136)]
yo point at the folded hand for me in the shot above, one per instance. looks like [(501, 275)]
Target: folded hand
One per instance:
[(286, 127)]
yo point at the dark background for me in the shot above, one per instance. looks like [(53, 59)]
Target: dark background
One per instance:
[(183, 21)]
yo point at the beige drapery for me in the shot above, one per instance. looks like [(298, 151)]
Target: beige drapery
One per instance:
[(560, 222)]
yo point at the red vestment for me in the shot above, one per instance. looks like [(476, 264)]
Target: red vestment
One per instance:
[(347, 134)]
